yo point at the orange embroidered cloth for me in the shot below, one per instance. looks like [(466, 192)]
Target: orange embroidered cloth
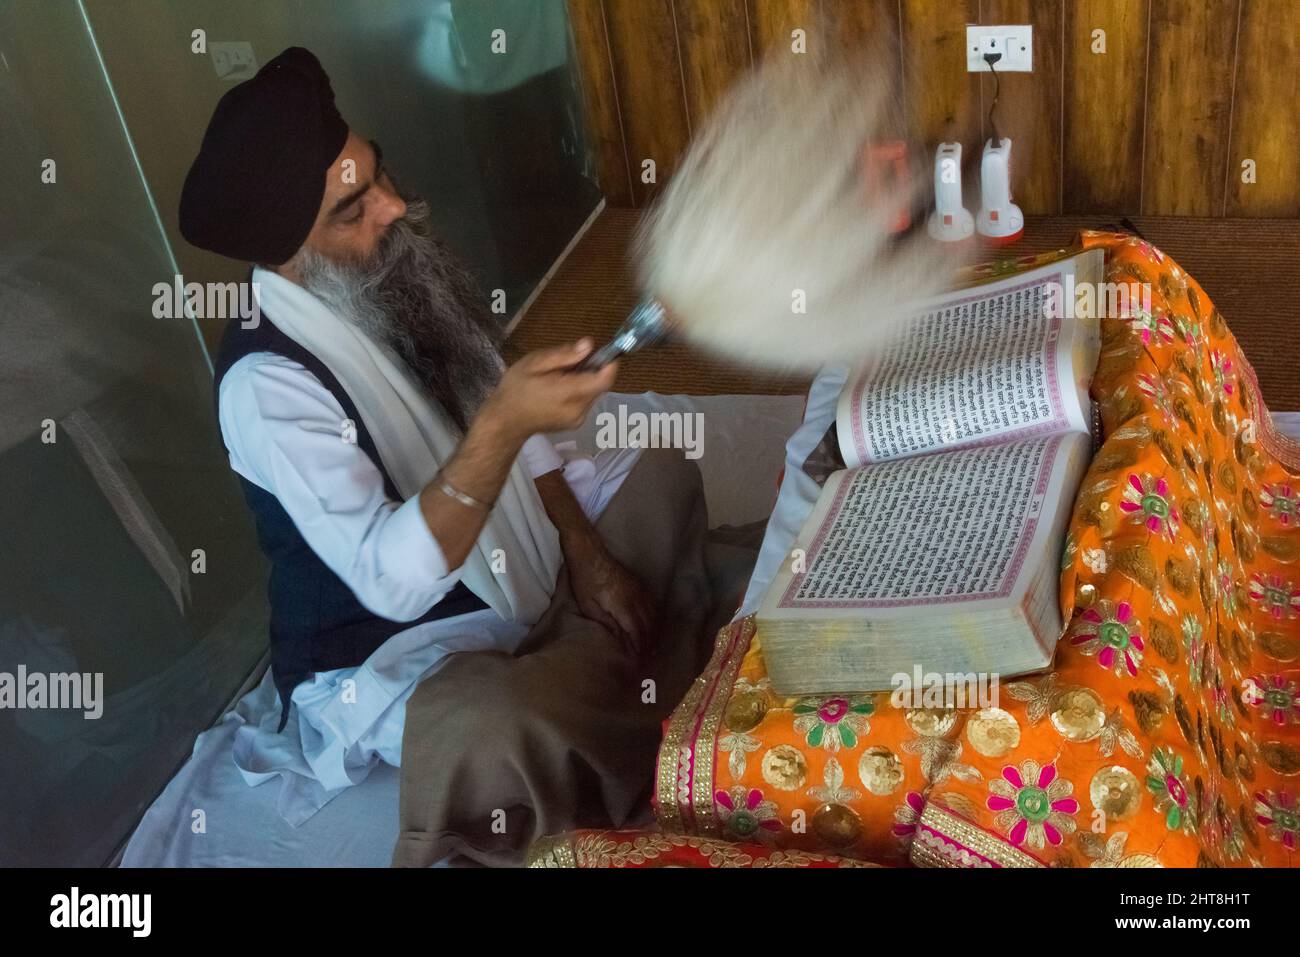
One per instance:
[(648, 849), (1167, 732)]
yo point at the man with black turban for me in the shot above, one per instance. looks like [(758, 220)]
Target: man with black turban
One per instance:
[(421, 529)]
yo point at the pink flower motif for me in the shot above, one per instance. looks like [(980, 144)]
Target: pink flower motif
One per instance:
[(1278, 814), (1034, 805), (1148, 502), (907, 816), (1277, 696), (1222, 367), (1154, 327), (744, 813), (1155, 389), (1110, 632), (1279, 598), (1282, 501)]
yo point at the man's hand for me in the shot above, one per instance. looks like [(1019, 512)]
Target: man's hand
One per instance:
[(608, 593), (542, 393), (536, 394), (604, 590)]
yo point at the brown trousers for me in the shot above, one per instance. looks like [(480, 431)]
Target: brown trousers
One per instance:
[(499, 750)]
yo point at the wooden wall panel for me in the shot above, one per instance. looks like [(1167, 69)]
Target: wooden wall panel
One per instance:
[(1158, 124), (1266, 112), (648, 74), (1189, 96), (714, 40), (771, 23), (1104, 105), (942, 98), (1029, 107), (587, 20), (858, 24)]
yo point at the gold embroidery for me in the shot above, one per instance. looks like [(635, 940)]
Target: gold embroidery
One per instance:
[(968, 837), (1116, 791), (785, 768), (880, 770), (992, 732), (1078, 714), (836, 824)]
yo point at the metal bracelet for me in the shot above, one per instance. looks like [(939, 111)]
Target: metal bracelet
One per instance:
[(450, 490)]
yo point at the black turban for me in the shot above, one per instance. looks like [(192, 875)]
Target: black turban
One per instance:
[(256, 186)]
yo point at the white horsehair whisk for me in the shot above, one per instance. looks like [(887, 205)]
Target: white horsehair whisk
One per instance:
[(766, 247)]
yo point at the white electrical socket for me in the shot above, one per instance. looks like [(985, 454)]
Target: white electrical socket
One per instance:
[(1015, 43)]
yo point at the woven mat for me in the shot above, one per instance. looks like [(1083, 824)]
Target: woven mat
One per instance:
[(1249, 267)]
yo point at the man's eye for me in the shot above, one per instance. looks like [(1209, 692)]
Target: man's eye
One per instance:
[(353, 217)]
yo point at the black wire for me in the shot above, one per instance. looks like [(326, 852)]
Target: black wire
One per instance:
[(990, 59)]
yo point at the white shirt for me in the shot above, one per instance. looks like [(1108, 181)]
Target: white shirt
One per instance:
[(285, 434), (284, 431)]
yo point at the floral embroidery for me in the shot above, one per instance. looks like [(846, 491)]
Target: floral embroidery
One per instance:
[(832, 723), (1227, 588), (1282, 501), (1279, 598), (1172, 799), (1110, 853), (1277, 813), (1155, 389), (1034, 804), (1221, 366), (833, 791), (1191, 331), (1114, 732), (1201, 711), (1195, 649), (1147, 500), (1277, 696), (737, 745), (1152, 325), (908, 815), (1221, 834), (1110, 632), (745, 814)]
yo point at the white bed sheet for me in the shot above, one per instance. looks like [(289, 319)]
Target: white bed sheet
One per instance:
[(241, 827)]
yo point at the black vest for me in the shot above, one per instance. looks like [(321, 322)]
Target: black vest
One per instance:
[(317, 624)]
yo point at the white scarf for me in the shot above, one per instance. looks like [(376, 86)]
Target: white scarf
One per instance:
[(414, 439)]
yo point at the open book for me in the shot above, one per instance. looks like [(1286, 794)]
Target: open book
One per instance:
[(938, 547)]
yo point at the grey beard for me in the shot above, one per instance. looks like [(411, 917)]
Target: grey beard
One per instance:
[(414, 296)]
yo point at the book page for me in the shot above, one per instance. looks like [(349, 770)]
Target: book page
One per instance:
[(983, 365), (939, 529)]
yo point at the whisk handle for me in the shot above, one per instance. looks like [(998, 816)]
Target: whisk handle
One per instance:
[(600, 358)]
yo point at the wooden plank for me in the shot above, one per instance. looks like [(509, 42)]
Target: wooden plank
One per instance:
[(648, 75), (942, 99), (1029, 107), (1266, 112), (713, 36), (869, 28), (1189, 91), (600, 97), (772, 22), (861, 24), (1104, 105)]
